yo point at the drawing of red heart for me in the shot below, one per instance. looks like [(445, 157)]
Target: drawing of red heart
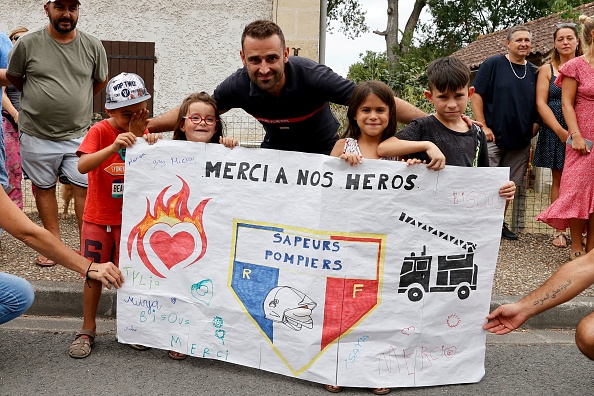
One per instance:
[(408, 330), (172, 249)]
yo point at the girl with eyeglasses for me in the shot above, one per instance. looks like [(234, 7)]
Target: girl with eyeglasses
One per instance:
[(199, 121), (552, 135)]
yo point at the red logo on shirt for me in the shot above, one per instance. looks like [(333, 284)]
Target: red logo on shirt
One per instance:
[(115, 169)]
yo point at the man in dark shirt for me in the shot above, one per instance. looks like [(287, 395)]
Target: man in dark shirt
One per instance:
[(504, 102), (289, 96)]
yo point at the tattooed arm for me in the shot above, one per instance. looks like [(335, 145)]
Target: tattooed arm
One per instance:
[(569, 281)]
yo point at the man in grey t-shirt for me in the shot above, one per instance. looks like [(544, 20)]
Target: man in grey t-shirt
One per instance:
[(58, 70)]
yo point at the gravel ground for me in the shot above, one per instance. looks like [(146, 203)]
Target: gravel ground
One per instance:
[(522, 265)]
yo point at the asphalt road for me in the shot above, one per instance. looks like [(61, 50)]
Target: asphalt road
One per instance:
[(34, 361)]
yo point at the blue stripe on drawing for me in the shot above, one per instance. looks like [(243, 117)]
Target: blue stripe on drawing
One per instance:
[(253, 291), (261, 227)]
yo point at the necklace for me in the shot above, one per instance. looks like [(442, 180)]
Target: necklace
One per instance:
[(512, 67)]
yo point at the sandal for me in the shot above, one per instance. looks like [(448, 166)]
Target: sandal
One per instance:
[(81, 346), (44, 262), (560, 239), (139, 347), (381, 391), (333, 388), (176, 355), (574, 255)]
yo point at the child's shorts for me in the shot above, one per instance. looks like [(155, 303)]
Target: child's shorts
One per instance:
[(101, 243)]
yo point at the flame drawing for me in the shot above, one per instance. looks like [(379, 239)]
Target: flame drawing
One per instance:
[(170, 246)]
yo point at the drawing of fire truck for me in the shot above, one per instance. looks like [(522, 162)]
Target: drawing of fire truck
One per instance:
[(455, 273)]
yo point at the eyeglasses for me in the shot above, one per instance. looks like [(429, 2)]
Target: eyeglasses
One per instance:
[(565, 25), (15, 37), (197, 119)]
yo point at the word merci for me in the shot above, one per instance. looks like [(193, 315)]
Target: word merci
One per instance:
[(392, 360), (305, 177), (220, 354)]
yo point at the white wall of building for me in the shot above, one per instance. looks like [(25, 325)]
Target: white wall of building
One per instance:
[(197, 42)]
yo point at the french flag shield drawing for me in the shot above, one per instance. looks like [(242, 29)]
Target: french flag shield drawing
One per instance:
[(340, 278)]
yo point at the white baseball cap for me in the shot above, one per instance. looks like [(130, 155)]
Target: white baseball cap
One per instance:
[(52, 1), (125, 89)]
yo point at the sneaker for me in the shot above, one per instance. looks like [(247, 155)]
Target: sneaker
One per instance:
[(507, 234)]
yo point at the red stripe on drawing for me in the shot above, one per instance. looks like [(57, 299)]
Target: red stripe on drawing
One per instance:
[(347, 301)]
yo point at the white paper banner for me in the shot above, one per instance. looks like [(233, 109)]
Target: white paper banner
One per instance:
[(373, 276)]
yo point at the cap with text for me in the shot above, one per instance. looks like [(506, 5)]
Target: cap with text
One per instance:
[(125, 89), (53, 1)]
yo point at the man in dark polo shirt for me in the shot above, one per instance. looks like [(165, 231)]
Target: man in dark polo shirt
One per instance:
[(290, 96)]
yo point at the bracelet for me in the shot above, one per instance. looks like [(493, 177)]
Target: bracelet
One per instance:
[(571, 134), (87, 274)]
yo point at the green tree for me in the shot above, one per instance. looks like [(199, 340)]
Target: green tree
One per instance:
[(349, 14), (373, 66), (392, 30), (456, 23), (407, 77)]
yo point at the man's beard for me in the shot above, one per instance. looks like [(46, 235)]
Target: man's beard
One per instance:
[(56, 24), (270, 84)]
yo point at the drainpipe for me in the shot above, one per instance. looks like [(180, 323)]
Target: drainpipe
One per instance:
[(323, 23)]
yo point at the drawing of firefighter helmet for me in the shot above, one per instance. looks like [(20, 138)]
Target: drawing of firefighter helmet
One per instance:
[(289, 306)]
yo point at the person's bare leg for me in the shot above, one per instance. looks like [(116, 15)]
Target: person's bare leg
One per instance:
[(584, 336), (47, 206), (81, 347), (80, 195), (91, 296), (556, 183), (590, 234), (560, 240), (576, 227)]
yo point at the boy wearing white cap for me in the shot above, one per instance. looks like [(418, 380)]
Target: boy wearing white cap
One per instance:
[(102, 155)]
